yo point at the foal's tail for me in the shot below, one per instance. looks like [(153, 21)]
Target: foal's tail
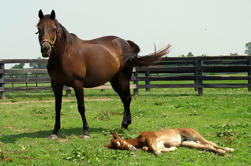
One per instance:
[(134, 60)]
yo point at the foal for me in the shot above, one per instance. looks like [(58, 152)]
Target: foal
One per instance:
[(166, 141)]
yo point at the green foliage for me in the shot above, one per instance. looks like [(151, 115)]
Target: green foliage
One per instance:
[(248, 48), (234, 54), (190, 54), (18, 66), (27, 119), (38, 65)]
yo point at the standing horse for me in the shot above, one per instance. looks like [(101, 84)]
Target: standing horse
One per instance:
[(88, 63)]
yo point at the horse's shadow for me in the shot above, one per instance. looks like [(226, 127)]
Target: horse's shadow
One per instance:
[(45, 134)]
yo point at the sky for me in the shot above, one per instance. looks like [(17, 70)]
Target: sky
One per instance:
[(211, 27)]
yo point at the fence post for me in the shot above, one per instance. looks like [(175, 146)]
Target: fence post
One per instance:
[(195, 75), (249, 74), (147, 75), (2, 93), (136, 90), (68, 91), (199, 74)]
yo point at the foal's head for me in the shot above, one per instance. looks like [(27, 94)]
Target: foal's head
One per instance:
[(47, 30), (118, 143)]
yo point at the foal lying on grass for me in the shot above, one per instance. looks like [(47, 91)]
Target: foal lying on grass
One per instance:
[(167, 140)]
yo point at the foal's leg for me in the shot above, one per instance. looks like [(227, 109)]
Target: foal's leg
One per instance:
[(153, 147), (79, 92), (197, 137), (219, 147), (208, 147), (57, 89), (122, 87)]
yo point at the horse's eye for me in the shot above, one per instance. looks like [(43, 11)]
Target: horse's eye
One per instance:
[(54, 29)]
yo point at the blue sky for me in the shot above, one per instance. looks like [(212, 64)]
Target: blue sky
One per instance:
[(211, 27)]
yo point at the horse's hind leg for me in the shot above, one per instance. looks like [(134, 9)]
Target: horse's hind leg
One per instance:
[(195, 136), (208, 147), (219, 147), (121, 85)]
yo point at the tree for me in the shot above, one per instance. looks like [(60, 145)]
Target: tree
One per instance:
[(234, 54), (38, 65), (18, 66), (190, 54), (248, 48)]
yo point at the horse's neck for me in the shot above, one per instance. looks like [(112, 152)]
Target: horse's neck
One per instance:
[(60, 46)]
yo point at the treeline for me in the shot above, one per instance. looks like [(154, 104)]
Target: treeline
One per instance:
[(247, 52), (31, 65)]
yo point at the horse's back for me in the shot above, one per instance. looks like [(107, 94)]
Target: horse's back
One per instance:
[(121, 46)]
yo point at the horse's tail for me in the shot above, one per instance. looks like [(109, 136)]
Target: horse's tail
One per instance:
[(134, 60)]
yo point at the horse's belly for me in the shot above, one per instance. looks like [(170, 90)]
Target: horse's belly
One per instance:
[(97, 79), (101, 69)]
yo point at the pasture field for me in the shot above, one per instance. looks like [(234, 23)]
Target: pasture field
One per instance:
[(220, 115)]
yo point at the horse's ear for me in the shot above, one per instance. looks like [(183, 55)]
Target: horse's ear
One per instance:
[(40, 14), (53, 15)]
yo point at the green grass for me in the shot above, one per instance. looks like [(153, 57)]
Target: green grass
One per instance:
[(220, 115)]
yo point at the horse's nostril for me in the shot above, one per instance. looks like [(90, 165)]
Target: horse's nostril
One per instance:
[(45, 49)]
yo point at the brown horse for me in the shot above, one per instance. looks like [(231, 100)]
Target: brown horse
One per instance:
[(88, 63)]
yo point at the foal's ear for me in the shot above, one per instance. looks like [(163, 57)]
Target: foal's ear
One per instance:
[(115, 136), (40, 14), (108, 146), (53, 15)]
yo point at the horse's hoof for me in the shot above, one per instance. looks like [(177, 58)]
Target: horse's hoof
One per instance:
[(53, 136), (86, 137), (125, 127)]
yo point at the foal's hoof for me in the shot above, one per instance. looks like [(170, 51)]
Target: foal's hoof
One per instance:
[(86, 137), (53, 136)]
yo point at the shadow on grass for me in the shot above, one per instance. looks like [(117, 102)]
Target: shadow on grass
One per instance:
[(45, 134), (32, 95)]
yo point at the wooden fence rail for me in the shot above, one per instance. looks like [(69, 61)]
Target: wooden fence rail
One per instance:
[(197, 70), (184, 72)]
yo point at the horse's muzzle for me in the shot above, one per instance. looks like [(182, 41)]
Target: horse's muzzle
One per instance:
[(46, 50)]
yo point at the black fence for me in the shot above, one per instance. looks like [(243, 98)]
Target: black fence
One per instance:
[(198, 72), (172, 72)]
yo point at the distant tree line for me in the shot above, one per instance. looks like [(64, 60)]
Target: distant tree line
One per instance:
[(248, 49), (31, 65)]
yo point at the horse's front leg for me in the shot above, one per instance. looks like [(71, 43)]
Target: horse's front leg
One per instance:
[(79, 92), (58, 90)]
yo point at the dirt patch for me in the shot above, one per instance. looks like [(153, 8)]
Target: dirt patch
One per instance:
[(116, 113), (14, 129), (26, 158), (5, 158), (62, 140), (52, 101)]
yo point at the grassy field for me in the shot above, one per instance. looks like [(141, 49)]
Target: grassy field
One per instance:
[(220, 115)]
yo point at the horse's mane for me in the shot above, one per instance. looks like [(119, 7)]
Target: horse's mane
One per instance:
[(68, 37)]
